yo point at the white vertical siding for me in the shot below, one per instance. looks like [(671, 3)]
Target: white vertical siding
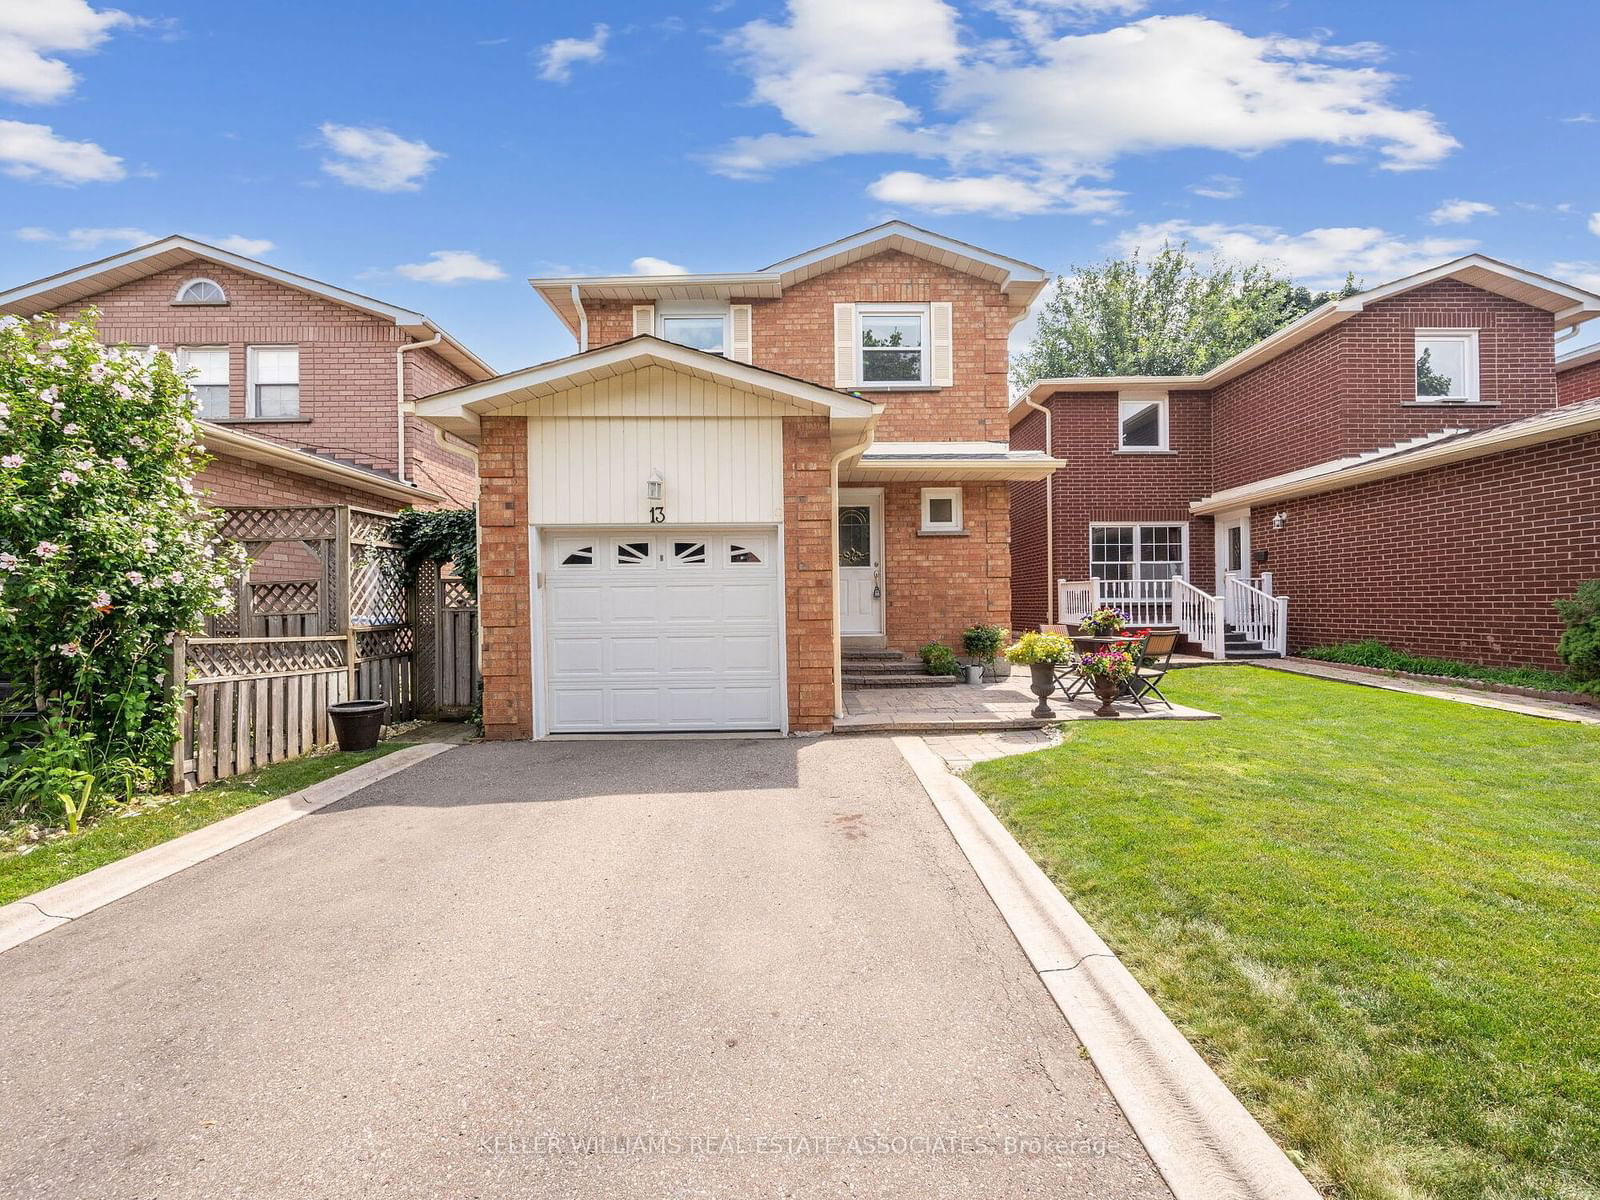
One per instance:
[(591, 449)]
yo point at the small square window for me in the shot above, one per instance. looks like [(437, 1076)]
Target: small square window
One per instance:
[(1142, 424), (1447, 365), (941, 510)]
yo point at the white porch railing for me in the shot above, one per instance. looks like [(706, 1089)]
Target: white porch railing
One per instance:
[(1074, 598), (1256, 613), (1142, 601), (1199, 616)]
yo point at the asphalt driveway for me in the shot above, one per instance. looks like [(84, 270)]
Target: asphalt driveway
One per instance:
[(612, 969)]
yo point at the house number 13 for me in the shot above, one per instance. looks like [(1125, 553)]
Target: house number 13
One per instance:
[(658, 515)]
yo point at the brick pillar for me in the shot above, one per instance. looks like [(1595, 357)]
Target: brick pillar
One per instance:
[(808, 516), (504, 579)]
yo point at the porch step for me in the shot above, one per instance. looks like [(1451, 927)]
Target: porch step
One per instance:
[(852, 655), (896, 681), (1235, 654), (880, 666)]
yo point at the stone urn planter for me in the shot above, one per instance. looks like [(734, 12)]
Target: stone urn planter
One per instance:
[(1105, 691), (357, 723), (1042, 683)]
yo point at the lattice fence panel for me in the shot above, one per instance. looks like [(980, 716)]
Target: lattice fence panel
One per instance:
[(224, 658), (280, 524), (458, 595), (284, 597), (377, 587)]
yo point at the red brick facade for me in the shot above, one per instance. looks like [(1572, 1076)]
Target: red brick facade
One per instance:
[(808, 571), (347, 367), (1460, 561), (1579, 383), (505, 577), (935, 585)]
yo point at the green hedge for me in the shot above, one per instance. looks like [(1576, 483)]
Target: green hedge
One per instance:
[(1376, 654)]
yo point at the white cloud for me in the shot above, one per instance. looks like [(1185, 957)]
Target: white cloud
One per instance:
[(38, 154), (999, 195), (1586, 274), (1053, 111), (376, 158), (1317, 256), (647, 265), (1594, 223), (32, 31), (1219, 187), (248, 246), (1579, 119), (557, 58), (451, 266), (1459, 212), (128, 235)]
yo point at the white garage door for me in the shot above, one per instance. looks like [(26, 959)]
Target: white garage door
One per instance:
[(663, 630)]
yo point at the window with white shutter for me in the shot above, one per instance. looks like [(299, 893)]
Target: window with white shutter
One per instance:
[(741, 341), (644, 319)]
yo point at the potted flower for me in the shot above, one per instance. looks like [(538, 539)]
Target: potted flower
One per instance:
[(983, 643), (1041, 653), (1107, 669), (1104, 621)]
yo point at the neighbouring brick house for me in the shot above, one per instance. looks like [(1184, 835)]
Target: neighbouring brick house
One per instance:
[(739, 476), (1411, 464), (305, 388)]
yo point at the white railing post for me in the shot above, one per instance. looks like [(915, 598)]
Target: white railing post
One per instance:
[(1281, 604)]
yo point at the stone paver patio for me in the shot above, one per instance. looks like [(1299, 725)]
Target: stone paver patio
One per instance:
[(1004, 705)]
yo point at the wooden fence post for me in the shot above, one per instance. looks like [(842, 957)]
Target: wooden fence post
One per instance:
[(344, 577), (178, 678)]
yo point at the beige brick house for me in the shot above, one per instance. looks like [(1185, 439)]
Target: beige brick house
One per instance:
[(736, 477), (305, 388)]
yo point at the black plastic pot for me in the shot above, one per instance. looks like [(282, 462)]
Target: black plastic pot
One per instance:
[(357, 723)]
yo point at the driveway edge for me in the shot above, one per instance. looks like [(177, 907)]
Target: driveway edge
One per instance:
[(25, 919), (1204, 1142)]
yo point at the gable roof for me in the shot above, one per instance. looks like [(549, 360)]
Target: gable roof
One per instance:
[(459, 409), (1019, 281), (220, 439), (1417, 454), (67, 287), (1569, 305)]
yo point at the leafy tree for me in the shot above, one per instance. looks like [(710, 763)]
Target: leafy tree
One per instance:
[(1429, 381), (1170, 315), (105, 554)]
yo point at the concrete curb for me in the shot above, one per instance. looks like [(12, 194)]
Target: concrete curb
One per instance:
[(1205, 1143), (24, 920)]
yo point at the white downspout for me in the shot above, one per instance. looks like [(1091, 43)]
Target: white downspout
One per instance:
[(583, 320), (838, 639), (400, 401), (1049, 517)]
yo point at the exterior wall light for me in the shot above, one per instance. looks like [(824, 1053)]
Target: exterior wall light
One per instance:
[(652, 486), (1279, 520)]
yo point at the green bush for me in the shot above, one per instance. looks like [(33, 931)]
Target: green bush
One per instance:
[(983, 642), (1579, 646), (939, 659), (445, 535), (1376, 654)]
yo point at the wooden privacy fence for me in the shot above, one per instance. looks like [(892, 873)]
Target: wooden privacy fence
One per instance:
[(367, 632)]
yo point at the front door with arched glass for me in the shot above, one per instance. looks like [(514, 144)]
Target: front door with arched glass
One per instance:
[(861, 581)]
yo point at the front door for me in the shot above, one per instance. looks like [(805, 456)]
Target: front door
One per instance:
[(1233, 548), (860, 562)]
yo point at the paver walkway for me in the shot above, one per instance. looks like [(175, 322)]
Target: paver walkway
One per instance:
[(736, 967), (1006, 704)]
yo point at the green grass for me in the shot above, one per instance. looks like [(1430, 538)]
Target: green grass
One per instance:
[(113, 837), (1377, 915), (1376, 654)]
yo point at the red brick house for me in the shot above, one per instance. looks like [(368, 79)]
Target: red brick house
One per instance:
[(736, 477), (305, 388), (1408, 464)]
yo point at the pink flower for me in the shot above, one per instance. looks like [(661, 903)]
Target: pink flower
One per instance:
[(175, 578), (135, 577), (68, 477), (70, 649), (71, 427), (120, 463), (8, 562), (48, 395), (47, 550), (11, 461), (122, 389)]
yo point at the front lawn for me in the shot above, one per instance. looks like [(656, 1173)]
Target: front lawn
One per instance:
[(1377, 915), (113, 836)]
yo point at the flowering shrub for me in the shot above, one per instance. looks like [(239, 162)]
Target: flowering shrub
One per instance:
[(105, 551), (1103, 622), (1032, 649), (1107, 663)]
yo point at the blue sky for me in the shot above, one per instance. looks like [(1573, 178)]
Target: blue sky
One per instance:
[(436, 157)]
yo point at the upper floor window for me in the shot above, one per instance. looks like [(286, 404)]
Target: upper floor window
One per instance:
[(209, 382), (200, 291), (1142, 423), (274, 381), (1447, 365), (892, 344), (698, 328)]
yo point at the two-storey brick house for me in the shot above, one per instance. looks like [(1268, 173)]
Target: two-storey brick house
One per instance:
[(736, 476), (1397, 465), (305, 388)]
